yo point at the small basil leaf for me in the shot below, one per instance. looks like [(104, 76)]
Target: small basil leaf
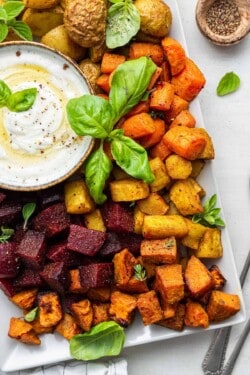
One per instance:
[(13, 8), (90, 115), (3, 31), (104, 339), (22, 30), (123, 23), (6, 234), (5, 92), (131, 157), (97, 170), (27, 211), (230, 82), (3, 14), (20, 101), (129, 83), (31, 315)]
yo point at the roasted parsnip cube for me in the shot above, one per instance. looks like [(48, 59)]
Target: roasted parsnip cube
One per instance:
[(25, 299), (138, 220), (122, 308), (159, 251), (178, 167), (162, 226), (197, 277), (154, 204), (159, 170), (83, 314), (194, 236), (23, 331), (222, 305), (149, 307), (94, 220), (210, 245), (169, 282), (68, 327), (50, 309), (196, 315), (128, 190), (77, 198)]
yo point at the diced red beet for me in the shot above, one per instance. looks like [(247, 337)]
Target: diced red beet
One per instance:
[(59, 252), (131, 241), (18, 235), (10, 213), (116, 242), (53, 220), (6, 285), (2, 196), (28, 278), (118, 217), (51, 196), (32, 249), (56, 276), (85, 241), (9, 262), (97, 275)]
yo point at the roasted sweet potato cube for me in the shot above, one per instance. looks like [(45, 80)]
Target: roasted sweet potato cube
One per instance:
[(175, 54), (128, 190), (178, 167), (124, 263), (100, 312), (122, 308), (85, 241), (77, 197), (50, 309), (10, 213), (9, 261), (149, 267), (168, 309), (28, 278), (101, 294), (32, 249), (178, 105), (118, 217), (97, 275), (162, 96), (196, 315), (160, 150), (154, 204), (135, 286), (56, 276), (184, 118), (210, 245), (94, 220), (139, 49), (159, 170), (25, 299), (162, 226), (159, 251), (23, 331), (177, 321), (222, 305), (39, 329), (197, 277), (152, 139), (53, 220), (195, 234), (75, 285), (219, 279), (83, 314), (149, 307), (68, 327), (169, 282), (208, 152)]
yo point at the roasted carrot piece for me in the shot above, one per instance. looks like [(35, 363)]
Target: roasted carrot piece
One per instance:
[(152, 139), (139, 108), (189, 82), (184, 118), (175, 54), (178, 105), (103, 82), (156, 75), (166, 72), (162, 97), (154, 51), (138, 126), (110, 62), (160, 150), (186, 142)]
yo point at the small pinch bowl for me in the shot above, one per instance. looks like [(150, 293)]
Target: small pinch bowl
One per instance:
[(38, 148), (243, 29)]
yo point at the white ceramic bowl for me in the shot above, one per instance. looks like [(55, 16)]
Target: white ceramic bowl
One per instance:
[(38, 148)]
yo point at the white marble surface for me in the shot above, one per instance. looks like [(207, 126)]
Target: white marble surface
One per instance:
[(228, 121)]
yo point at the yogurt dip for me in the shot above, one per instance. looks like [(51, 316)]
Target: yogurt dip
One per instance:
[(38, 146)]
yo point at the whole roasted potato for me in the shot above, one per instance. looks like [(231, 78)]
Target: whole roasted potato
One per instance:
[(40, 4), (85, 21), (156, 17)]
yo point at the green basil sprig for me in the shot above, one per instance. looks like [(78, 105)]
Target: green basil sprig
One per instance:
[(210, 216), (123, 22), (32, 315), (104, 339), (27, 211), (95, 116), (230, 82), (18, 101), (8, 13), (140, 272), (6, 234)]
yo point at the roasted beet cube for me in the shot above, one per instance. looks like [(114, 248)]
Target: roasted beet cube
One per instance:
[(118, 217), (6, 285), (51, 196), (60, 253), (2, 196), (116, 242), (131, 241), (53, 220), (32, 249), (97, 275), (10, 213), (28, 278), (85, 241), (56, 276), (9, 261), (18, 235)]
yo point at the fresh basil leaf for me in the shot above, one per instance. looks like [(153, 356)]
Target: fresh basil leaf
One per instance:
[(97, 170), (6, 234), (31, 315), (3, 31), (20, 101), (104, 339), (129, 84), (210, 215), (22, 30), (90, 115), (27, 211), (131, 157), (13, 9), (123, 22), (5, 92), (229, 83), (3, 14)]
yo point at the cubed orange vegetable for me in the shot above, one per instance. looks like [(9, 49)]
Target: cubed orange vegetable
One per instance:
[(138, 125), (154, 51), (141, 107), (175, 54), (184, 118), (155, 76), (110, 61), (160, 150), (152, 139), (162, 97), (103, 82)]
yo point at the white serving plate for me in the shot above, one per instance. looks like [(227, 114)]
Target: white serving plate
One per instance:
[(15, 356)]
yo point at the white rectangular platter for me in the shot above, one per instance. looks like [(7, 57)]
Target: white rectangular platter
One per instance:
[(16, 356)]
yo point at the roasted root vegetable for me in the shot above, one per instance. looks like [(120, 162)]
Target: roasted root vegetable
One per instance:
[(175, 54)]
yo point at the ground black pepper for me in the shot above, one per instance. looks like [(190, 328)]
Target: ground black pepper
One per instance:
[(223, 17)]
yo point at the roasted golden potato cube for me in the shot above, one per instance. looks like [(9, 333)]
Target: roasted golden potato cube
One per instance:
[(169, 282), (23, 331), (138, 220), (42, 21), (40, 4), (149, 307), (186, 198), (159, 170), (83, 314), (195, 233), (25, 299), (100, 312), (197, 277), (208, 151), (122, 308), (222, 305), (195, 315), (128, 190), (94, 220), (162, 226), (68, 327), (159, 251), (50, 309), (77, 197), (210, 245), (197, 166), (154, 204), (177, 321), (178, 167)]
